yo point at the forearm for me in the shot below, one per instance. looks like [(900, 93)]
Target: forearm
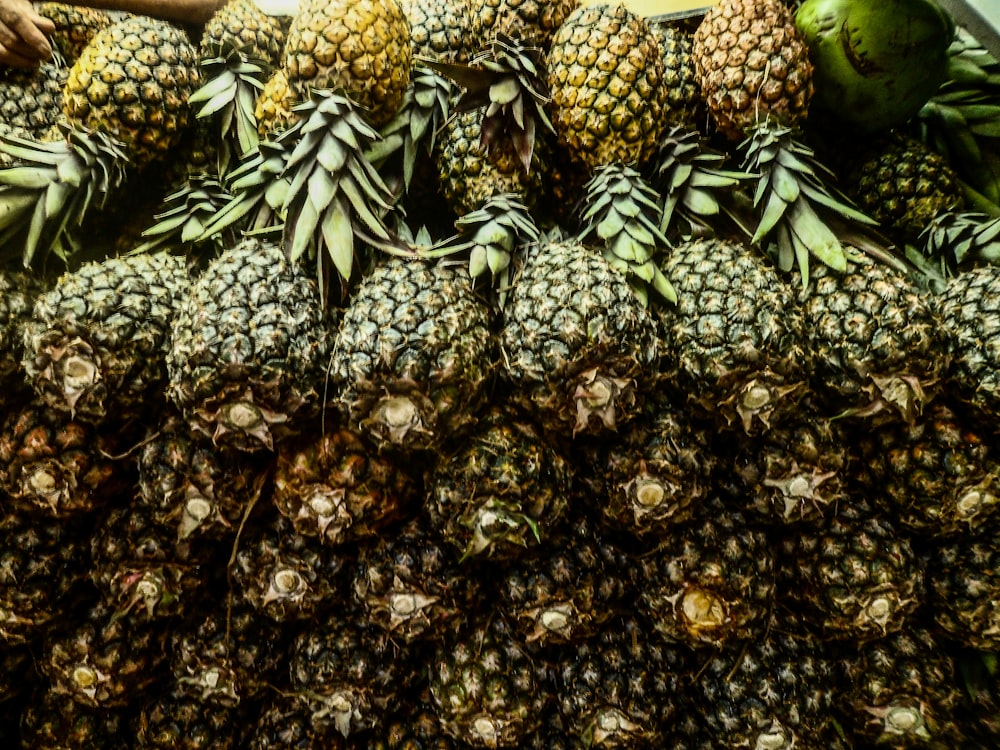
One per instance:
[(181, 11)]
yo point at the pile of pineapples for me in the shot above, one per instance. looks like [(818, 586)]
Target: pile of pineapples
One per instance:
[(493, 373)]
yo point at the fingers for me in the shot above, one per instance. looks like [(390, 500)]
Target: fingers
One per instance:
[(23, 33), (15, 59)]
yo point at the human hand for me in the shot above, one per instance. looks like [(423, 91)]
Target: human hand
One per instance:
[(23, 34)]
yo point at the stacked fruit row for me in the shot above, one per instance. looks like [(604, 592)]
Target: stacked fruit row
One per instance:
[(625, 434)]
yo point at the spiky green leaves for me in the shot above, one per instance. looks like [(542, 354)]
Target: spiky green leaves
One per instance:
[(233, 80), (621, 213), (693, 182), (952, 240), (506, 79), (798, 211), (45, 195), (335, 194), (187, 212), (489, 237)]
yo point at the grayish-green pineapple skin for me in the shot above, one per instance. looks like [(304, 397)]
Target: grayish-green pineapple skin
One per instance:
[(95, 347), (414, 354), (578, 346), (249, 347)]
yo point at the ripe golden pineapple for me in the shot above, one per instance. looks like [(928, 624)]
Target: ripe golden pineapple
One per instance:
[(274, 105), (133, 81), (359, 46), (752, 64), (605, 76)]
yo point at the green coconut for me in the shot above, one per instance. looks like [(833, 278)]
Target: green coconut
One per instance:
[(876, 61)]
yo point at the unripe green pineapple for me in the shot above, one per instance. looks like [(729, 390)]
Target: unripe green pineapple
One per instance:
[(879, 348), (711, 580), (578, 345), (484, 685), (414, 354), (31, 99), (95, 347), (248, 348), (854, 576), (501, 490), (440, 29), (18, 291)]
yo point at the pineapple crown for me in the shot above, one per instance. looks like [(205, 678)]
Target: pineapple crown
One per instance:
[(621, 210), (799, 215), (955, 239), (691, 178), (187, 211), (507, 80), (46, 193)]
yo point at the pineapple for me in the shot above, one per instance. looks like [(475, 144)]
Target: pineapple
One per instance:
[(103, 660), (133, 81), (411, 586), (349, 675), (968, 309), (567, 590), (853, 576), (500, 490), (274, 106), (619, 688), (191, 486), (578, 346), (484, 685), (283, 576), (31, 99), (334, 486), (752, 64), (734, 342), (414, 356), (938, 476), (95, 346), (901, 183), (902, 691), (605, 76), (55, 466), (76, 26), (774, 692), (440, 29), (963, 580), (655, 473), (40, 561), (711, 580), (247, 348), (683, 105), (362, 48), (53, 721), (18, 291), (534, 21), (172, 720)]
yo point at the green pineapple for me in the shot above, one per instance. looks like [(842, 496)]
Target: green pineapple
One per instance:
[(501, 490), (349, 674), (414, 356), (711, 580), (775, 692), (683, 104), (963, 580), (578, 346), (411, 586), (619, 688), (284, 576), (902, 691), (938, 476), (852, 576), (102, 659), (31, 99), (53, 721), (95, 347), (40, 564), (247, 348), (535, 21), (734, 341), (568, 589), (198, 490), (654, 473), (440, 29), (484, 685), (878, 347), (18, 291)]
